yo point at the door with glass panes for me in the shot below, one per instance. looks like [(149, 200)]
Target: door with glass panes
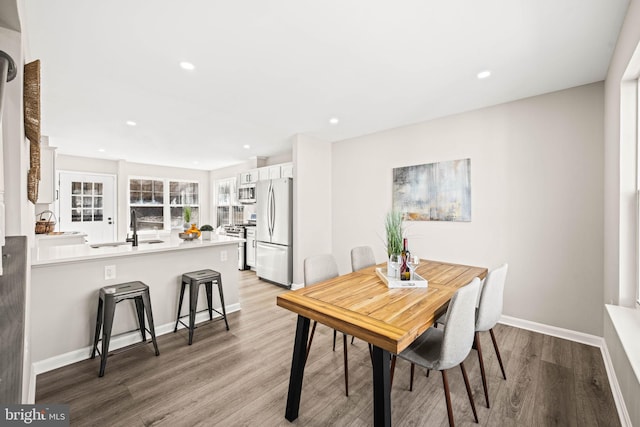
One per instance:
[(87, 204)]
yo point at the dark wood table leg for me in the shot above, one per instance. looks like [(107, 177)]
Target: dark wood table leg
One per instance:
[(381, 388), (297, 368)]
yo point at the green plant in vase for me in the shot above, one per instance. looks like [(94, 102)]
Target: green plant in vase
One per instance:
[(393, 228), (186, 214), (206, 231)]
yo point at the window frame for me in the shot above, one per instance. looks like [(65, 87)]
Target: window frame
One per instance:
[(166, 200), (637, 118)]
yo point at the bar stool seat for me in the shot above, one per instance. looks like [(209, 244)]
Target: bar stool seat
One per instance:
[(194, 279), (109, 297)]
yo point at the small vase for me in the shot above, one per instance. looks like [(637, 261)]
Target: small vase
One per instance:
[(206, 235), (393, 266)]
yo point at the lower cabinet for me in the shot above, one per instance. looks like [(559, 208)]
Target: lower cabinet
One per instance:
[(251, 247)]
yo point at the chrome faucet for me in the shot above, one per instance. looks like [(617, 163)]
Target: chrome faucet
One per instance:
[(134, 225)]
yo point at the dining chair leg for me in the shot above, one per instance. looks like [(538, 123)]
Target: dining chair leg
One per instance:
[(447, 397), (313, 330), (393, 369), (427, 375), (466, 384), (413, 368), (334, 339), (346, 365), (352, 338), (495, 346), (476, 340)]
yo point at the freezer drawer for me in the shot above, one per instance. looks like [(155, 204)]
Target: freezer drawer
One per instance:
[(274, 263)]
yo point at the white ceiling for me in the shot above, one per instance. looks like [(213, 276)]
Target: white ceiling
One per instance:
[(266, 70)]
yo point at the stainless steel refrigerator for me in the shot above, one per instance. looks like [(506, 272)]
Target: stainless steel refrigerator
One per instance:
[(274, 231)]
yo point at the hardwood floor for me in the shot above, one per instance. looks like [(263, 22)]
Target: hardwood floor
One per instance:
[(240, 378)]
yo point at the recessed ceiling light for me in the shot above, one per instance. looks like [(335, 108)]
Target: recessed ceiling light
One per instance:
[(334, 120), (195, 162), (187, 65), (102, 150), (131, 123), (246, 146), (484, 74)]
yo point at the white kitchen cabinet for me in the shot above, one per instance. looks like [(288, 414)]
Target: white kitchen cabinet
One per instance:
[(263, 174), (251, 247), (274, 172), (286, 170), (47, 186), (249, 177)]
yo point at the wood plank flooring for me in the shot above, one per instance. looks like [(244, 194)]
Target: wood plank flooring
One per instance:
[(240, 378)]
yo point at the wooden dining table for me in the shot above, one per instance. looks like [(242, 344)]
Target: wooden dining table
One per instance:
[(361, 304)]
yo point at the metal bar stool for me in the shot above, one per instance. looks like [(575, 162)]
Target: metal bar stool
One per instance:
[(109, 297), (194, 279)]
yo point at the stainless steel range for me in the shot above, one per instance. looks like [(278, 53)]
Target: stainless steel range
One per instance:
[(238, 231)]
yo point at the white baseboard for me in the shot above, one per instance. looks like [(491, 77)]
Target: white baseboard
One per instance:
[(618, 398), (554, 331), (116, 343), (31, 393), (581, 337), (295, 286)]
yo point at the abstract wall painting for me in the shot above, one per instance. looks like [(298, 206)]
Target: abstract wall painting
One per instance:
[(434, 191)]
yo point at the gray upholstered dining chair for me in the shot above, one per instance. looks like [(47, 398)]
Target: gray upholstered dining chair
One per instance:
[(362, 257), (319, 268), (440, 349), (487, 315)]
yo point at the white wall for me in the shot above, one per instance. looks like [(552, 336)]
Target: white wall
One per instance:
[(20, 214), (279, 158), (537, 197), (620, 166), (312, 201)]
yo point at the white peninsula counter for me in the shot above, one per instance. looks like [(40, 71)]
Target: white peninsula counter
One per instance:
[(65, 281)]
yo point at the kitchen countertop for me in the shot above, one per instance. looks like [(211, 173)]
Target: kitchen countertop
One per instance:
[(57, 235), (83, 252)]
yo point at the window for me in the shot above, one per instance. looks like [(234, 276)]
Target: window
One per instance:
[(86, 201), (160, 203), (227, 209)]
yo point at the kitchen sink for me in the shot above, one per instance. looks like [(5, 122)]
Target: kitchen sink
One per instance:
[(104, 245), (114, 244)]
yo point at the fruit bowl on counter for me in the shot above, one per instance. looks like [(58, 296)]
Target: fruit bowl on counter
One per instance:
[(188, 236)]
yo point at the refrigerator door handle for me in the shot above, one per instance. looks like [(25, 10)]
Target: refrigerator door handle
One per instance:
[(270, 211), (273, 210)]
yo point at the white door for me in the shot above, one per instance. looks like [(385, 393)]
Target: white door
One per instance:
[(87, 204)]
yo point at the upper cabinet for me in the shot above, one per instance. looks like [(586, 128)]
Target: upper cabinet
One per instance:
[(274, 172), (249, 177), (263, 174), (284, 170)]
